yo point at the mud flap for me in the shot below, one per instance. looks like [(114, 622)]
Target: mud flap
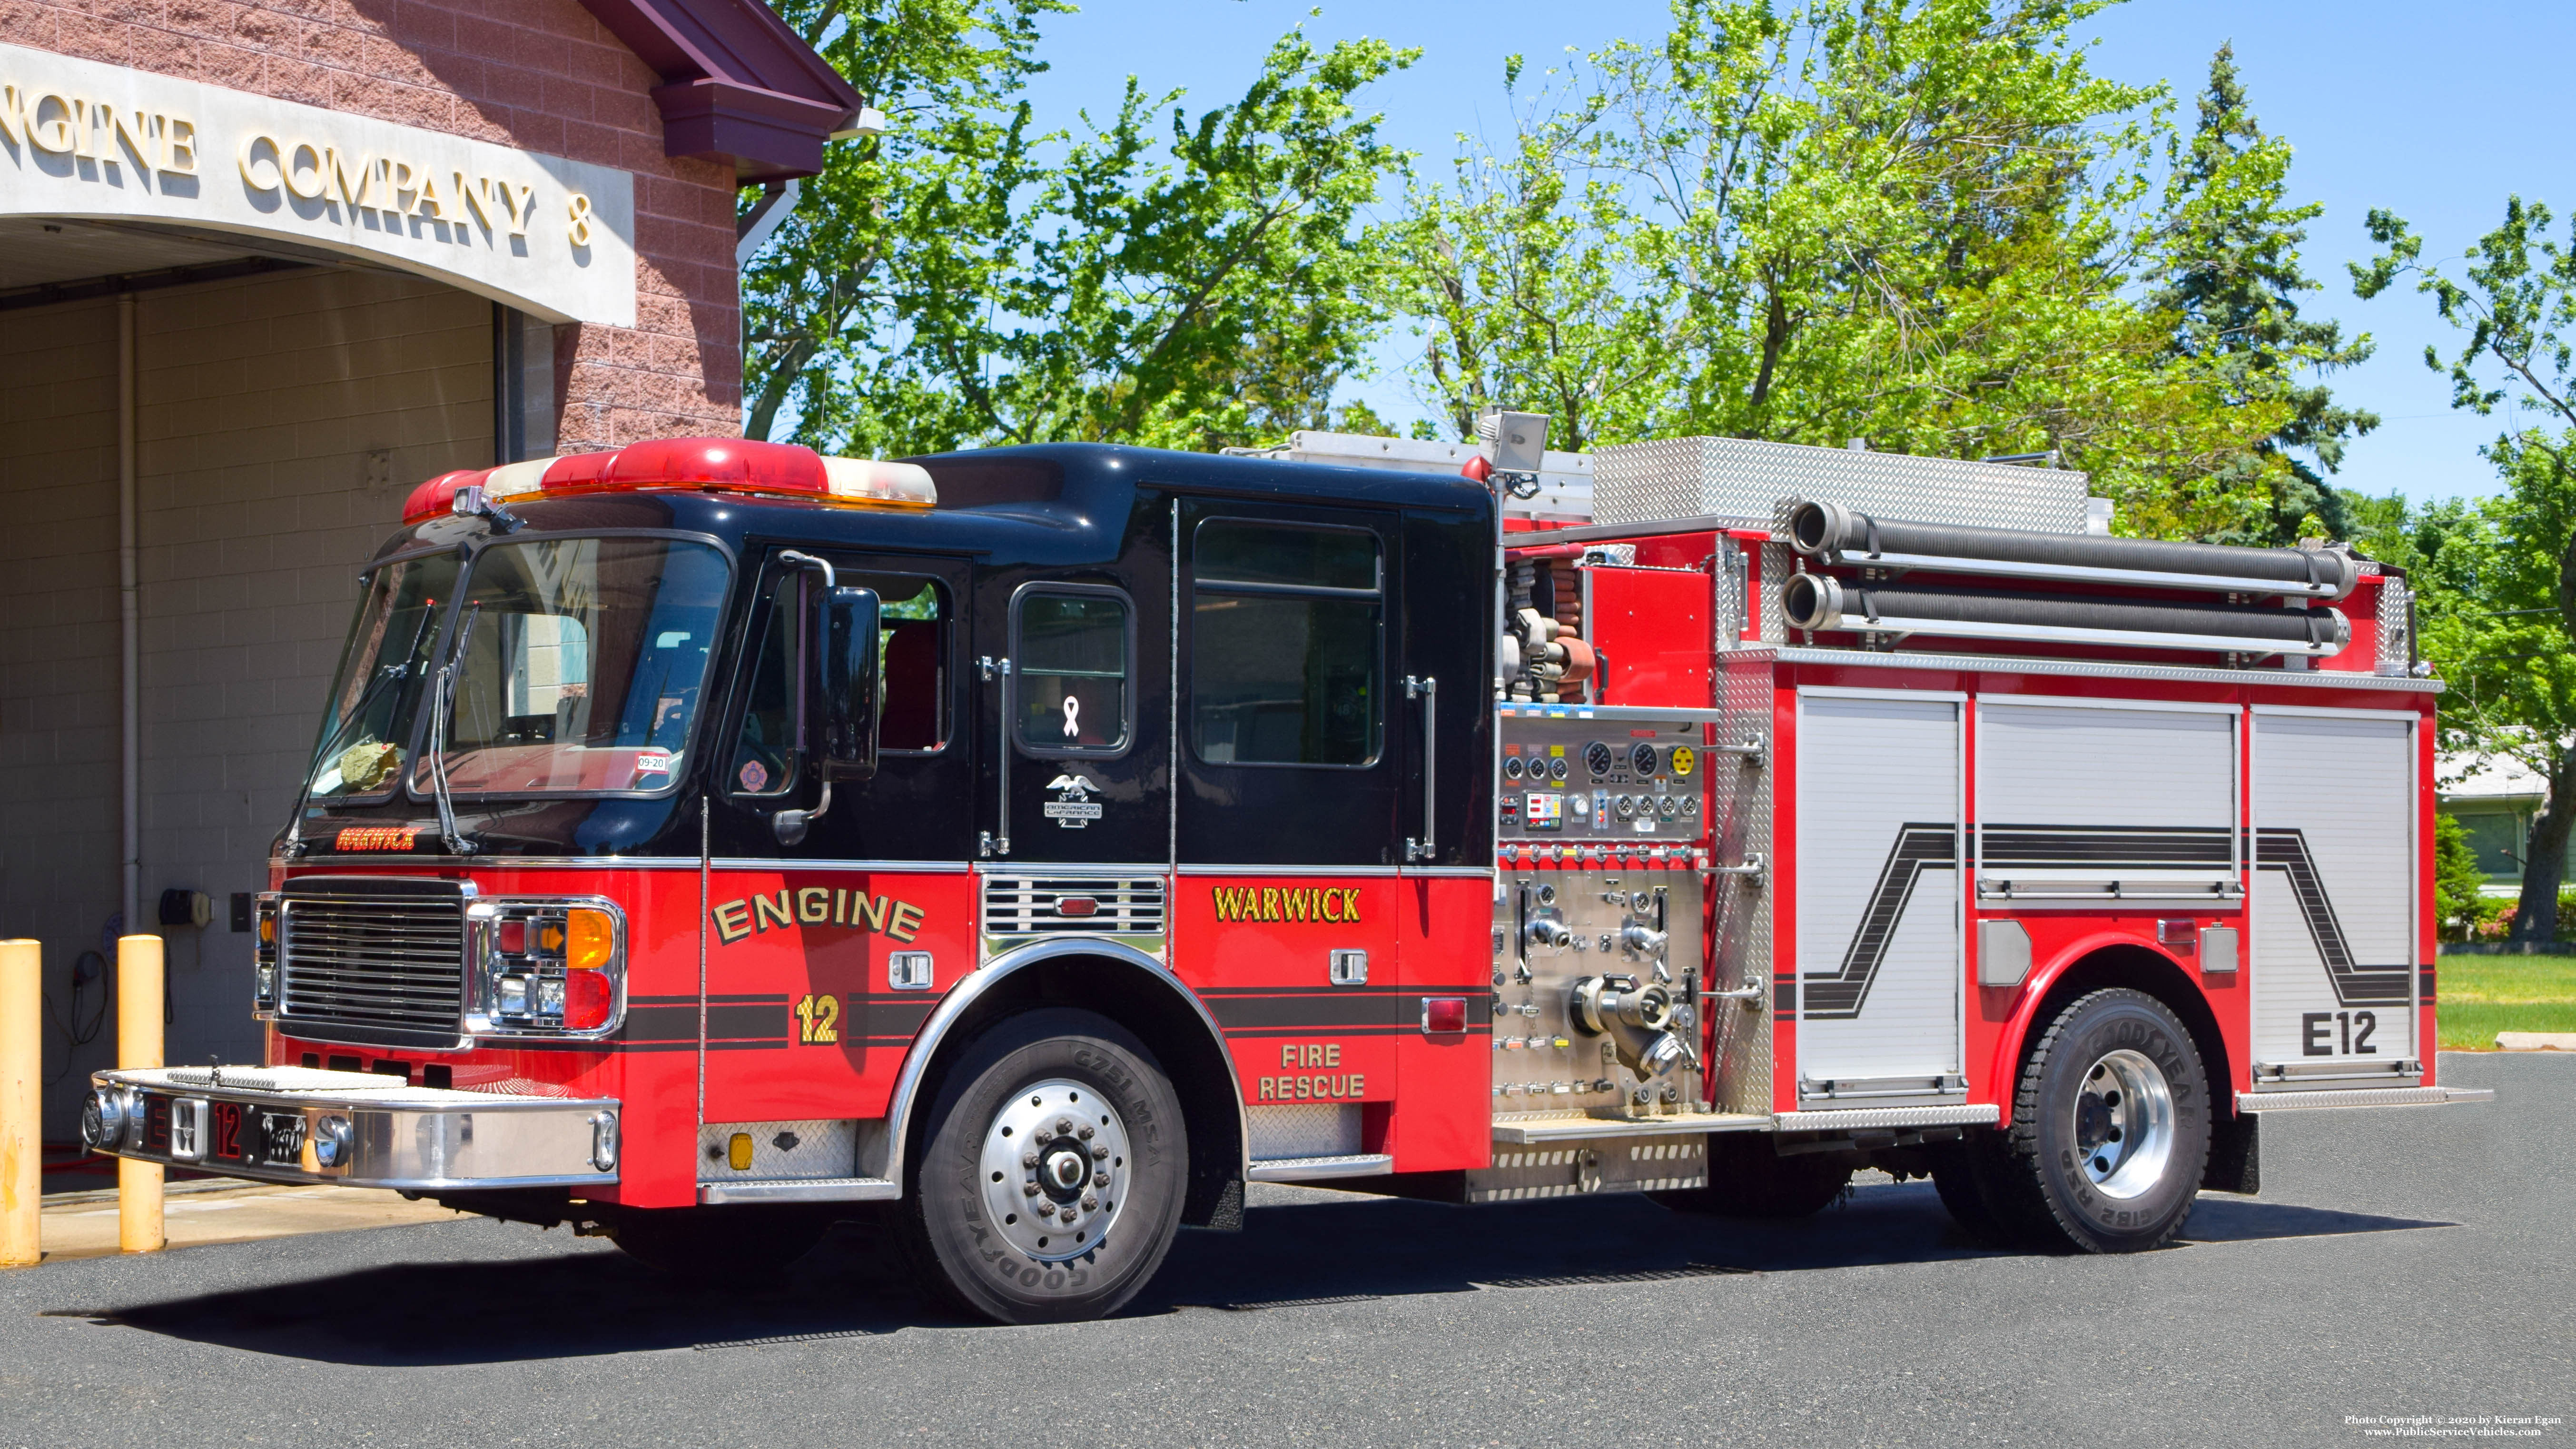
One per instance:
[(2235, 1155)]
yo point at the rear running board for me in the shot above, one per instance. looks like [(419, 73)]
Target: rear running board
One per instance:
[(2361, 1097), (801, 1189)]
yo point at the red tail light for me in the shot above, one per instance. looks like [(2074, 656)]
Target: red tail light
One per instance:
[(1444, 1015), (587, 1000)]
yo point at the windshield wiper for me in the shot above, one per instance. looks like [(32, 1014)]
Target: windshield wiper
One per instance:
[(356, 714), (443, 698)]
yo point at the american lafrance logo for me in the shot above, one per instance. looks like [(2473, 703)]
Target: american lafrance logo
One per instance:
[(1073, 808)]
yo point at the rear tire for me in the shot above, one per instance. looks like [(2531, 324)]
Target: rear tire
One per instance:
[(1956, 1177), (2110, 1129), (1050, 1179), (1748, 1179), (716, 1247)]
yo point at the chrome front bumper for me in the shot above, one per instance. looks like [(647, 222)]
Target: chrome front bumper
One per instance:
[(297, 1124)]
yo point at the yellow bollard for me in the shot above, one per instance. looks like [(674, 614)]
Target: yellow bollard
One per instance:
[(138, 1044), (22, 1051)]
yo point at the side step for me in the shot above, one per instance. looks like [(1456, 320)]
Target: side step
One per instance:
[(1317, 1169), (801, 1189), (2361, 1097)]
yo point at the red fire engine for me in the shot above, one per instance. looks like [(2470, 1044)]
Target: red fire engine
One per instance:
[(1022, 850)]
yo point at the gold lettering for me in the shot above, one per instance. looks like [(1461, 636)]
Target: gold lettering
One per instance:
[(178, 146), (762, 912), (295, 172), (131, 129), (526, 209), (1288, 1054), (427, 198), (84, 131), (475, 199), (362, 193), (578, 210), (1333, 1054), (1351, 904), (1358, 1087), (1333, 906), (249, 159), (55, 135), (874, 907), (1270, 1089), (1269, 903), (813, 905), (840, 908), (907, 922), (733, 921), (13, 122), (401, 180)]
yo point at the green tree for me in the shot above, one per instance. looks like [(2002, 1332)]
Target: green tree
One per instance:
[(2227, 274), (970, 278), (2503, 571), (2458, 880), (1926, 224)]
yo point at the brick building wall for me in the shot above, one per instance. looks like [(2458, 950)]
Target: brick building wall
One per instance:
[(265, 410), (538, 75)]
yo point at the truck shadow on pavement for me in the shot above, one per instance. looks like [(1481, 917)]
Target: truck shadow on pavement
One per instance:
[(458, 1303)]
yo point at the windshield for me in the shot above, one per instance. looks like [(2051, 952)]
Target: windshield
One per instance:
[(363, 736), (579, 664)]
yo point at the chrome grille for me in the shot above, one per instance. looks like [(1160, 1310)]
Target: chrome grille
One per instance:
[(374, 956), (1035, 905)]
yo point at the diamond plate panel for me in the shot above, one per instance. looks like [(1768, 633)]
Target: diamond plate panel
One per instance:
[(1306, 1129), (1742, 478), (1600, 1164), (815, 1147), (1739, 907), (2394, 652)]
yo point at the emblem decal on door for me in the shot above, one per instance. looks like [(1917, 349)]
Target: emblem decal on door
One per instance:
[(1072, 808)]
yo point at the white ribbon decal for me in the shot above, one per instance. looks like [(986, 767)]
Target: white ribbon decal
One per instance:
[(1072, 712)]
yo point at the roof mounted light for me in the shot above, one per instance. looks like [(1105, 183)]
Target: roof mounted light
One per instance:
[(728, 465)]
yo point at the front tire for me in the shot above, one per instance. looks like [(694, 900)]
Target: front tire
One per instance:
[(2110, 1128), (1050, 1183)]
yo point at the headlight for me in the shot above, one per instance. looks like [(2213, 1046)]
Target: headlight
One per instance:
[(547, 967)]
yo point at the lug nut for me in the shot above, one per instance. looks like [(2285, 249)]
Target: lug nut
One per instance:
[(1099, 1150), (1085, 1133), (1090, 1204), (1063, 1124), (1029, 1158), (1100, 1179), (1028, 1189), (1068, 1214)]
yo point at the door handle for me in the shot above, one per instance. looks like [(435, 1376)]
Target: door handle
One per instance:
[(1426, 689), (997, 842)]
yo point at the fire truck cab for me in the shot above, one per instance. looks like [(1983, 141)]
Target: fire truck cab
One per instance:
[(1022, 850)]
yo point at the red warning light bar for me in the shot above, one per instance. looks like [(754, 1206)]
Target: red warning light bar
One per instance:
[(725, 465)]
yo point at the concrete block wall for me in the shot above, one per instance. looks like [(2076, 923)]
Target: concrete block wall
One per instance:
[(260, 405), (540, 75)]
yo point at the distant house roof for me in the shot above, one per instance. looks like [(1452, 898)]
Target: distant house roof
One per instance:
[(2466, 777), (737, 83)]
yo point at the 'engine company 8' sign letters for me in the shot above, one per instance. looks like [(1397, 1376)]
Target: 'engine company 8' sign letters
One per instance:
[(550, 236)]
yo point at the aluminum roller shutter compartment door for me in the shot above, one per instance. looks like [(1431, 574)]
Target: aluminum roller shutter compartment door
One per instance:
[(2334, 892), (1878, 888), (2071, 798)]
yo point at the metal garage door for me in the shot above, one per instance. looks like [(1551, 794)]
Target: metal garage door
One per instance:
[(1878, 898), (2333, 964)]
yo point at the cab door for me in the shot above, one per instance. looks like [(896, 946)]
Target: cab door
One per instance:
[(1286, 897), (824, 957)]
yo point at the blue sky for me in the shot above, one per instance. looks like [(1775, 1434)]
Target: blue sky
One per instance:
[(2436, 112)]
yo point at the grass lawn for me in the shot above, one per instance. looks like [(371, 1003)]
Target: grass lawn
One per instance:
[(2482, 995)]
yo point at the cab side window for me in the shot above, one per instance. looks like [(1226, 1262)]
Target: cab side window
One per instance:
[(1287, 643), (912, 680), (1074, 643)]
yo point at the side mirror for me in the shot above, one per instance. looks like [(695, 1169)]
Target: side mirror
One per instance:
[(845, 707), (837, 699)]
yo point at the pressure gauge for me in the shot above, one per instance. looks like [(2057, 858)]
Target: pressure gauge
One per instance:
[(1641, 758), (1598, 759)]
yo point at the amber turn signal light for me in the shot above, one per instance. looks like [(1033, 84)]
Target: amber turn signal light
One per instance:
[(592, 939)]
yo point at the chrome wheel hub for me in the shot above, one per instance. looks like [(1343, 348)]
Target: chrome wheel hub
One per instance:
[(1055, 1169), (2123, 1124)]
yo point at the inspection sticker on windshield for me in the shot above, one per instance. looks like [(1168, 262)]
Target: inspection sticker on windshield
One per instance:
[(652, 762)]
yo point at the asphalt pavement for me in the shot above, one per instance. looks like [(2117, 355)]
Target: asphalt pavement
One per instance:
[(2403, 1269)]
